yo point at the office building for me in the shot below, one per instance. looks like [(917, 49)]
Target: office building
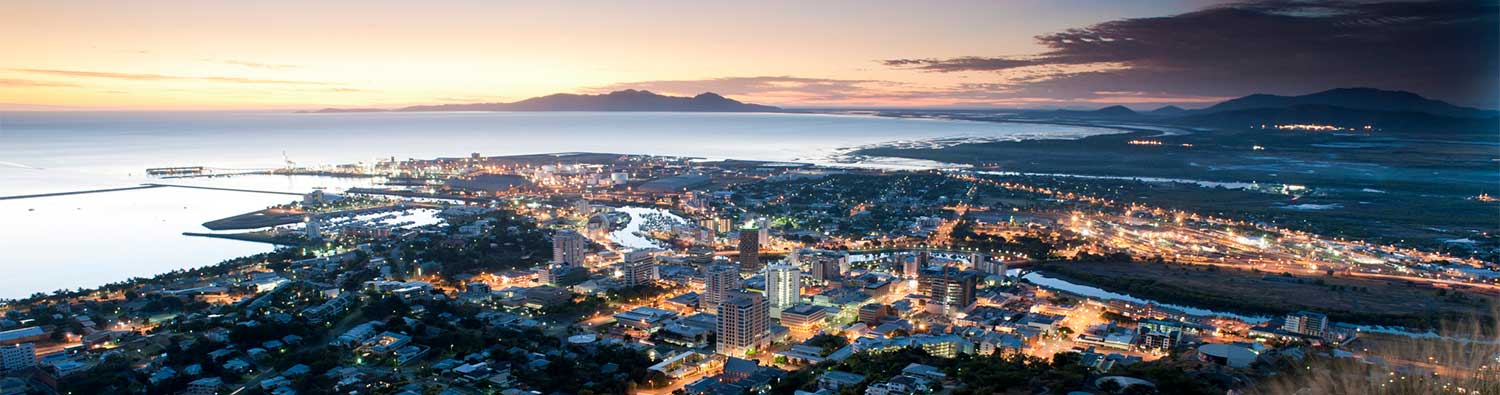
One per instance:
[(995, 267), (545, 296), (1306, 323), (825, 265), (803, 320), (16, 357), (950, 288), (871, 314), (640, 272), (743, 323), (568, 247), (313, 228), (763, 229), (783, 286), (718, 281), (750, 249)]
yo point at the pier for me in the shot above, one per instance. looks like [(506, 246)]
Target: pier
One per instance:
[(144, 186), (225, 189), (42, 195), (175, 171)]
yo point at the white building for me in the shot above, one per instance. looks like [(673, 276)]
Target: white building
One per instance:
[(20, 356), (313, 228), (783, 286)]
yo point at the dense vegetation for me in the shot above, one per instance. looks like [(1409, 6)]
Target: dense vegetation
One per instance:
[(992, 374)]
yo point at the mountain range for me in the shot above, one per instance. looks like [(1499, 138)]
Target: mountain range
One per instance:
[(1344, 107), (625, 100), (1351, 107)]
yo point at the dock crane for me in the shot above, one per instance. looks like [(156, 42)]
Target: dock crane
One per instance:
[(290, 165)]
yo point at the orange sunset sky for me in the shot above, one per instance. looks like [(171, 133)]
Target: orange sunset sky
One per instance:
[(301, 54)]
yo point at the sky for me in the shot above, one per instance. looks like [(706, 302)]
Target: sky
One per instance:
[(1003, 54)]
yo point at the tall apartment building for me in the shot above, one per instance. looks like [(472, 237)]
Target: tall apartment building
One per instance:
[(718, 281), (783, 286), (744, 323), (568, 247)]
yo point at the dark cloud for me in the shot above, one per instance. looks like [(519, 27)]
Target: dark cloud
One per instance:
[(163, 77), (1441, 49)]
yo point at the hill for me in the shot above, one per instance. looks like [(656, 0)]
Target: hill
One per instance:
[(1111, 112), (1362, 99), (625, 100), (1167, 111), (1347, 107)]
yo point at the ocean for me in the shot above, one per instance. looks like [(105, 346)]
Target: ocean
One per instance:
[(89, 240)]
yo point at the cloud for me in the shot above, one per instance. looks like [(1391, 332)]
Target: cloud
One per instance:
[(750, 86), (807, 91), (1442, 49), (163, 77), (21, 83), (259, 65), (775, 90)]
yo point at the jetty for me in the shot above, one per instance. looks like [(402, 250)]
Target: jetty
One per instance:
[(41, 195)]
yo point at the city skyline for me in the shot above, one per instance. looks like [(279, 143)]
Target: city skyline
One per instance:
[(167, 55), (458, 197)]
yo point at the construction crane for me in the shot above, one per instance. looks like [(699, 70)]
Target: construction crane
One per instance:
[(290, 165)]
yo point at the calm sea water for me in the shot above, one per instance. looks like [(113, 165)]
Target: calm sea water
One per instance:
[(89, 240)]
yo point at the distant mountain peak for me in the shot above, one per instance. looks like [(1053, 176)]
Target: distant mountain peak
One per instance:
[(1362, 99), (621, 100), (1115, 109), (1168, 109)]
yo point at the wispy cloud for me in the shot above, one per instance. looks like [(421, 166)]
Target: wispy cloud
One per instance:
[(23, 83), (739, 86), (164, 77), (260, 65), (805, 91)]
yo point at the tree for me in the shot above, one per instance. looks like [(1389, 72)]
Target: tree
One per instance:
[(1110, 386)]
